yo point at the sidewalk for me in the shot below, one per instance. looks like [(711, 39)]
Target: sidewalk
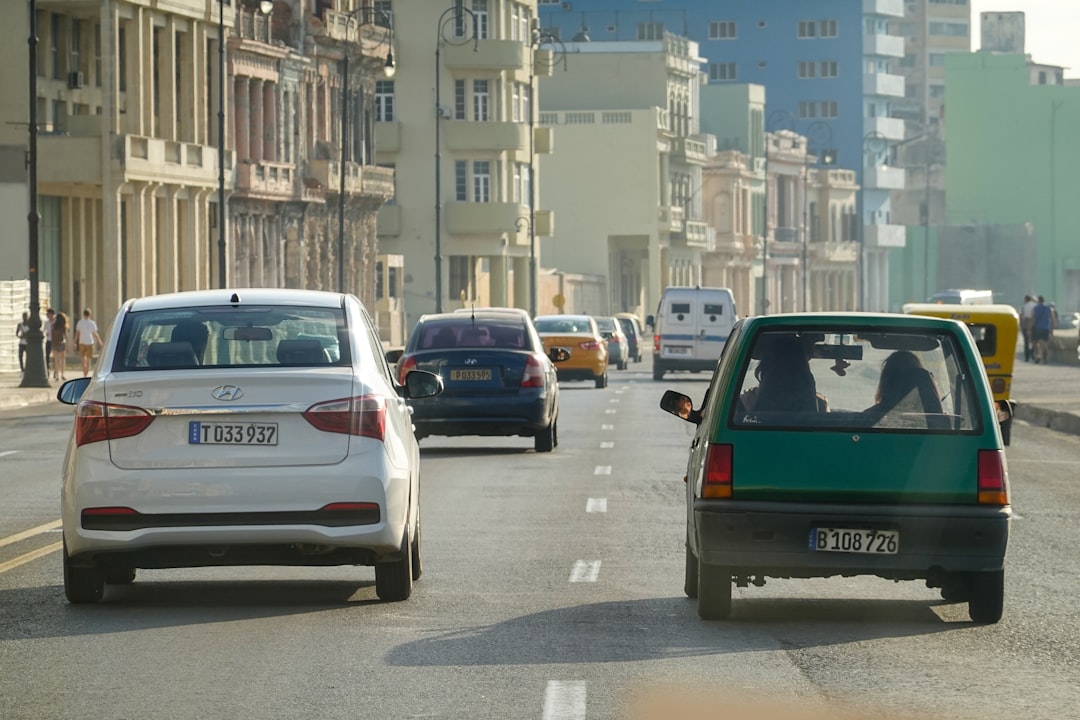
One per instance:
[(1045, 395)]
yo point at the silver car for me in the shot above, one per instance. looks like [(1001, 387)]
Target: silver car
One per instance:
[(246, 427)]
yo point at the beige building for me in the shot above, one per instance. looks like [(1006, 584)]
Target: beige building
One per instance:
[(128, 107), (469, 229), (626, 177)]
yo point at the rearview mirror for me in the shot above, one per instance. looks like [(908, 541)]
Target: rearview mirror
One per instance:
[(680, 406), (72, 391), (422, 384), (247, 334), (559, 354), (392, 356)]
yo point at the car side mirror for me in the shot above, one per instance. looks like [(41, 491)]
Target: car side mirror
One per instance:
[(650, 320), (680, 406), (72, 391), (392, 356), (422, 384), (606, 335), (559, 354)]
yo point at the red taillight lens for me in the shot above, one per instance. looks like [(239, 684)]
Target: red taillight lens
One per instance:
[(589, 345), (533, 376), (656, 343), (993, 488), (997, 385), (95, 421), (407, 363), (718, 467), (108, 511), (364, 416)]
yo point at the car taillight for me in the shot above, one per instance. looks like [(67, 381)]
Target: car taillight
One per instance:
[(533, 376), (993, 489), (718, 465), (95, 421), (407, 363), (589, 345), (656, 343), (364, 416), (997, 385)]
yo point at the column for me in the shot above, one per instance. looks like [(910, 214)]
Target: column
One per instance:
[(270, 122), (497, 275), (242, 133), (168, 241), (255, 108), (166, 71), (522, 282)]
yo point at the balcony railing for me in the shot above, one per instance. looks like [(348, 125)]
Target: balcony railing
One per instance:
[(266, 178)]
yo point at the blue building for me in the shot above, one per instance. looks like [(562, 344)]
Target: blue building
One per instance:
[(825, 67)]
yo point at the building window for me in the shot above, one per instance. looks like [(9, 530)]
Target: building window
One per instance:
[(937, 59), (907, 61), (384, 100), (121, 61), (937, 91), (829, 68), (54, 46), (481, 101), (828, 109), (481, 181), (807, 109), (949, 29), (460, 276), (459, 100), (515, 102), (807, 29), (827, 29), (722, 71), (807, 69), (650, 31), (722, 30), (76, 45), (480, 18), (461, 181)]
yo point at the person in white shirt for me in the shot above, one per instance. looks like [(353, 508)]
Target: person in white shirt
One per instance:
[(86, 337), (1027, 322)]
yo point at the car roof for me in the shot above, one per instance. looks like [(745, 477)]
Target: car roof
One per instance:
[(853, 319), (462, 315), (247, 296)]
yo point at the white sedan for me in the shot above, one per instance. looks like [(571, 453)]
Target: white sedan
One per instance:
[(242, 427)]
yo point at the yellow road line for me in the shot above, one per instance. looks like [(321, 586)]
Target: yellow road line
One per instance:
[(30, 557), (17, 537)]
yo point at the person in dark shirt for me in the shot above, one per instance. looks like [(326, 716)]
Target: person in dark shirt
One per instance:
[(1041, 327)]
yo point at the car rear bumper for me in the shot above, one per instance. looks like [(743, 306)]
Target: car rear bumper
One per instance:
[(773, 539), (492, 416), (581, 373)]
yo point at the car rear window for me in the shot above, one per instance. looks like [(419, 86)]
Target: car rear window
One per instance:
[(217, 337), (508, 333), (563, 325), (864, 380)]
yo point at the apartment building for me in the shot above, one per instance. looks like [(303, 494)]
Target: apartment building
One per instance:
[(131, 101), (626, 178), (463, 97)]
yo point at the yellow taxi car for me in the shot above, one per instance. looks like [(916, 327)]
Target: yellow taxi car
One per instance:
[(581, 336), (995, 329)]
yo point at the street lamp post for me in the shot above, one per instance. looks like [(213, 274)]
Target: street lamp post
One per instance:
[(388, 70), (34, 374), (452, 18)]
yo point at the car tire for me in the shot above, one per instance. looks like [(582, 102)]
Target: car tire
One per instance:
[(1006, 431), (120, 576), (956, 588), (393, 579), (657, 373), (714, 592), (622, 365), (416, 548), (601, 382), (82, 584), (544, 440), (987, 596), (690, 581)]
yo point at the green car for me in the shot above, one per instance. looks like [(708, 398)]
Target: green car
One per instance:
[(847, 444)]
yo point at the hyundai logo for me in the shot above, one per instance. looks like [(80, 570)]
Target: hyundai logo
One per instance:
[(470, 361), (227, 392)]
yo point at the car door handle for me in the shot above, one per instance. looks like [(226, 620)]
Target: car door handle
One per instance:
[(694, 444)]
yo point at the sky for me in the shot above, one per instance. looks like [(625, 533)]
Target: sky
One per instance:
[(1052, 29)]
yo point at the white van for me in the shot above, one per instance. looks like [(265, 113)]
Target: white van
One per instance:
[(690, 328)]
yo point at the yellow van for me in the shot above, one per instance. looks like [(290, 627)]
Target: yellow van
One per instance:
[(995, 329)]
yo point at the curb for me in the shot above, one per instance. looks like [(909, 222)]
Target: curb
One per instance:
[(1061, 421)]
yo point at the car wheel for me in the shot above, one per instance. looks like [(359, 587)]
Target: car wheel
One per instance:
[(544, 440), (657, 373), (82, 584), (714, 592), (622, 364), (393, 579), (690, 581), (1006, 431), (120, 576), (414, 549), (601, 382), (987, 596)]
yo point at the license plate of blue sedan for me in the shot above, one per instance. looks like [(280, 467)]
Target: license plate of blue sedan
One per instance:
[(208, 433), (471, 374), (852, 540)]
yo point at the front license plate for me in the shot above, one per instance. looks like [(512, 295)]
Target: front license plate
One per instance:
[(873, 542), (471, 374), (206, 433)]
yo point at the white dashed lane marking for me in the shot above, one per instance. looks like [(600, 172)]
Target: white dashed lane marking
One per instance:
[(606, 445), (5, 453), (610, 411), (607, 427), (602, 470), (585, 571), (564, 700), (596, 505)]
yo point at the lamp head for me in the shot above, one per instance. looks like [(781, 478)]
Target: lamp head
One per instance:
[(266, 6), (390, 67)]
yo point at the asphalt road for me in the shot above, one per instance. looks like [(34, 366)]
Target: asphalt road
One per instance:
[(552, 589)]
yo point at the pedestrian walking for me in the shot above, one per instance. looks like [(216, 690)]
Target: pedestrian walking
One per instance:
[(50, 316), (59, 346), (1027, 317), (87, 338), (20, 332), (1042, 326)]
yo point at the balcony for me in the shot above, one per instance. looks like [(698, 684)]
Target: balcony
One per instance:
[(369, 180), (490, 54), (883, 84), (496, 218), (671, 218), (695, 234), (265, 179), (891, 128), (388, 222), (883, 45), (884, 236), (688, 151), (889, 8), (486, 136), (884, 177), (388, 136), (158, 160)]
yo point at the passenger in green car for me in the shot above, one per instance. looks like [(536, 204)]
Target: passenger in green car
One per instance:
[(785, 383)]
